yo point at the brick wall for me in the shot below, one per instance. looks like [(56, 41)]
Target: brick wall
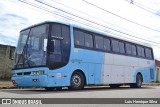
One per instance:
[(5, 63)]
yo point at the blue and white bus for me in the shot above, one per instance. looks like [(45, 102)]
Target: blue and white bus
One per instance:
[(55, 55)]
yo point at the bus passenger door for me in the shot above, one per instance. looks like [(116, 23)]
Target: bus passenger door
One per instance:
[(91, 73)]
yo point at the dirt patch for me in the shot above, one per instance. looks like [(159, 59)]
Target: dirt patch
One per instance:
[(6, 84)]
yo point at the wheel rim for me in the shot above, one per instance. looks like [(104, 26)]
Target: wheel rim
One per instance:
[(76, 80)]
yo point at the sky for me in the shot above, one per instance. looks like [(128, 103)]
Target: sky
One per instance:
[(140, 24)]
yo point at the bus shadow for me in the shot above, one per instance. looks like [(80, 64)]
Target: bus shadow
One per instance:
[(65, 90)]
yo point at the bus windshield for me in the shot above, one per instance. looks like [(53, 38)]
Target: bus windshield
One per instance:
[(31, 48)]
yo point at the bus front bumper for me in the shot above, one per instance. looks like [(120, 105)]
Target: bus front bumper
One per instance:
[(30, 81)]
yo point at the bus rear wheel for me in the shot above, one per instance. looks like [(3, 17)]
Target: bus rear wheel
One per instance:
[(138, 83), (77, 81)]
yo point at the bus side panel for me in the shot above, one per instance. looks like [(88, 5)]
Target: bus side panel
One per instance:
[(90, 62), (119, 69), (62, 76), (148, 74)]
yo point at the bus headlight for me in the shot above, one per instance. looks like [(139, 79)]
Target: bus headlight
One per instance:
[(41, 72), (13, 74)]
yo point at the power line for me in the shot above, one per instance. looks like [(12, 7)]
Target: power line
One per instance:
[(40, 7), (80, 21), (92, 21), (95, 17), (91, 16), (120, 16), (33, 7), (148, 9)]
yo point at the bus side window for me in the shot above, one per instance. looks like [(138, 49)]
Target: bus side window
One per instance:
[(88, 40), (128, 49), (142, 49), (107, 44), (115, 46), (78, 37), (99, 42), (148, 53), (121, 47), (134, 50), (139, 51)]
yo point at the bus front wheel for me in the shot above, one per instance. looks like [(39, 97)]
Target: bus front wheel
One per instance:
[(77, 81)]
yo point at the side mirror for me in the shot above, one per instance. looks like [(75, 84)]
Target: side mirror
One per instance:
[(45, 44)]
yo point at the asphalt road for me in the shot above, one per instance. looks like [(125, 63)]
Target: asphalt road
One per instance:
[(88, 92)]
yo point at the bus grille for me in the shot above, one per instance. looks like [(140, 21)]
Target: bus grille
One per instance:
[(151, 74)]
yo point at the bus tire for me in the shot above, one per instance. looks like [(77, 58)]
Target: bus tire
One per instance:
[(114, 85), (77, 81), (138, 83)]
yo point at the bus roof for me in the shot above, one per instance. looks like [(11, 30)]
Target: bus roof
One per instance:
[(90, 30)]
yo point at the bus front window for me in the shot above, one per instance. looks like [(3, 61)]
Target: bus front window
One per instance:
[(33, 50)]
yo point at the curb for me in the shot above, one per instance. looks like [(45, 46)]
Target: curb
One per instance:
[(151, 84)]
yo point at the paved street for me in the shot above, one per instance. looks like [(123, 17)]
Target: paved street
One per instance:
[(88, 92)]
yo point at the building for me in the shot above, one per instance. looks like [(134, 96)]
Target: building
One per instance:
[(6, 64), (158, 70)]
